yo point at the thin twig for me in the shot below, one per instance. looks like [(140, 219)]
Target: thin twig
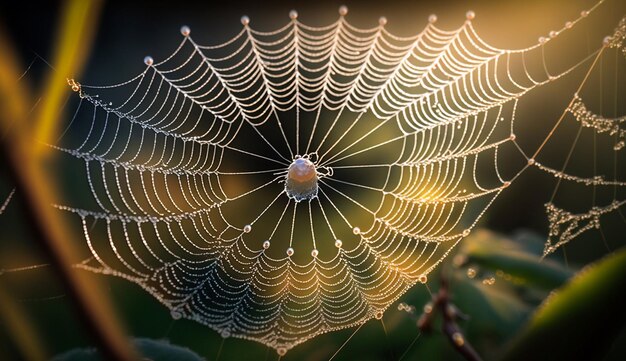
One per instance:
[(441, 303)]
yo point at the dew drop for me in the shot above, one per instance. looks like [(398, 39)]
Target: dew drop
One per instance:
[(247, 228), (356, 230), (245, 20), (293, 15), (290, 251), (432, 18), (423, 279), (568, 25), (314, 253), (470, 15), (281, 351), (379, 315), (458, 339), (148, 60), (428, 308), (343, 10), (176, 315), (459, 260), (471, 273), (266, 244), (185, 30), (338, 243)]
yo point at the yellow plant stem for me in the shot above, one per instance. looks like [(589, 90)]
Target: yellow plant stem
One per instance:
[(37, 187)]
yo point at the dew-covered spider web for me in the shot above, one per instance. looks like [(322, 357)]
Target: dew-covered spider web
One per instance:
[(293, 182)]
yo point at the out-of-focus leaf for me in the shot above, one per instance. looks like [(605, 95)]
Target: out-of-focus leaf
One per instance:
[(150, 349), (581, 320), (531, 241), (492, 309), (494, 252)]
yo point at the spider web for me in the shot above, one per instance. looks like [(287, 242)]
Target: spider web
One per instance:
[(187, 162)]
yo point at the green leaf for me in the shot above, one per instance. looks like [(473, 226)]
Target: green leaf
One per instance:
[(494, 312), (581, 320), (497, 253)]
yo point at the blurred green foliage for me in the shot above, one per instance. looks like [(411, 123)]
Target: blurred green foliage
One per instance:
[(580, 321)]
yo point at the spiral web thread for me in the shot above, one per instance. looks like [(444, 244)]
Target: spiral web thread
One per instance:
[(187, 169)]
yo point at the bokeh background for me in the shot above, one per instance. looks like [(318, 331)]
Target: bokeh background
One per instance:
[(125, 32)]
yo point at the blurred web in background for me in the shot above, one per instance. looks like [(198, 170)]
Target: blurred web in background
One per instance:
[(565, 225)]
